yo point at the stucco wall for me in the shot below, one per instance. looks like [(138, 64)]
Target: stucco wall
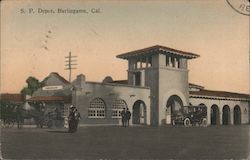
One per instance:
[(163, 82), (152, 80), (172, 81), (221, 103), (107, 92)]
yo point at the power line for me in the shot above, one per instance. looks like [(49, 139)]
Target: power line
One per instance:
[(70, 64)]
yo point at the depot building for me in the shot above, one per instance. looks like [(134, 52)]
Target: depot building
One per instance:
[(156, 87)]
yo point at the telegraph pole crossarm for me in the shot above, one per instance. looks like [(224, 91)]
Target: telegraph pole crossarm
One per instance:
[(69, 64)]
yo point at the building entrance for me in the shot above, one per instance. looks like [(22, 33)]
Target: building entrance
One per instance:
[(139, 113), (173, 108)]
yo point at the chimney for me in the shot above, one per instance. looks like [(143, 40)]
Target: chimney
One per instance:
[(80, 81)]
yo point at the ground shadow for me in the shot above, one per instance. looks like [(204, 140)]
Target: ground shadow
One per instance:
[(58, 131)]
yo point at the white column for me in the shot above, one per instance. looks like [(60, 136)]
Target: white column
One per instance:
[(143, 78), (173, 62), (170, 61), (133, 78), (148, 111), (231, 120), (220, 113), (208, 115)]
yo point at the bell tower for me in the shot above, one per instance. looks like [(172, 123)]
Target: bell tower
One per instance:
[(165, 71)]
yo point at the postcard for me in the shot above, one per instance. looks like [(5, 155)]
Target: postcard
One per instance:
[(112, 79)]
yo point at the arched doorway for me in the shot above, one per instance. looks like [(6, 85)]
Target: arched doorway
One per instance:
[(139, 113), (173, 108), (204, 110), (237, 115), (215, 115), (226, 115)]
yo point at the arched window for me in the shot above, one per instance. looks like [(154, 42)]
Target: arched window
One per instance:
[(117, 107), (96, 108)]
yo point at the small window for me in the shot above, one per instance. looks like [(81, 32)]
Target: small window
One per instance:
[(137, 78), (167, 60), (150, 61), (177, 63)]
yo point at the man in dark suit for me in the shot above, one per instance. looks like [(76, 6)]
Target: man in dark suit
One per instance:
[(123, 115), (128, 115)]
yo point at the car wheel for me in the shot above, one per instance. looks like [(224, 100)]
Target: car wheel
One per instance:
[(9, 124), (187, 122)]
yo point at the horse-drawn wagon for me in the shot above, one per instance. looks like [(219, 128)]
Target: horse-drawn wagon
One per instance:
[(40, 117)]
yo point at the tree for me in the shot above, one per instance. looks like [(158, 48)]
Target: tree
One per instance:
[(32, 85)]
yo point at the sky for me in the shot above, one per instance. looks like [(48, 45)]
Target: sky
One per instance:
[(35, 43)]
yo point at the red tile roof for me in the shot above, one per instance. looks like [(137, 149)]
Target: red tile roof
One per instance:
[(195, 86), (13, 97), (50, 98), (157, 48), (219, 94)]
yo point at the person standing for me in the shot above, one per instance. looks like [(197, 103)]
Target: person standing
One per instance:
[(71, 119), (77, 117), (123, 115), (128, 116)]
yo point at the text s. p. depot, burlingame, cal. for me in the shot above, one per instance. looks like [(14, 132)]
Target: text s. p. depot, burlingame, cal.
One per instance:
[(58, 11)]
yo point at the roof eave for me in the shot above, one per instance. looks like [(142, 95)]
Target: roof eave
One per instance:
[(186, 55)]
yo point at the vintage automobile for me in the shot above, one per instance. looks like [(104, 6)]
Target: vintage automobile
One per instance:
[(191, 115)]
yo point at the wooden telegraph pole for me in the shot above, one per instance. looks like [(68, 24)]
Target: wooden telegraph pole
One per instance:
[(70, 64)]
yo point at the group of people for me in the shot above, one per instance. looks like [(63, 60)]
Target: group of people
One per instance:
[(126, 115), (74, 117)]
